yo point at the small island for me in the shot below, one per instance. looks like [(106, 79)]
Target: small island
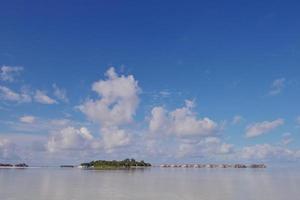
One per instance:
[(114, 164), (8, 165)]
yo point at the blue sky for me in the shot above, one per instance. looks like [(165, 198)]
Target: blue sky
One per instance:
[(164, 81)]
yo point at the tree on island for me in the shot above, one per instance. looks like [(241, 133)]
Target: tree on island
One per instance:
[(126, 163)]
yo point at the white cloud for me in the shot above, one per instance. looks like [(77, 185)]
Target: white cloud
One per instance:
[(154, 147), (118, 100), (36, 125), (165, 93), (8, 73), (60, 93), (190, 103), (27, 119), (267, 151), (277, 86), (158, 119), (206, 147), (185, 149), (226, 148), (286, 138), (214, 145), (298, 120), (181, 122), (237, 119), (41, 97), (33, 149), (69, 138), (10, 95), (7, 150), (260, 128), (85, 133), (185, 134), (24, 96), (116, 106), (113, 137), (58, 122)]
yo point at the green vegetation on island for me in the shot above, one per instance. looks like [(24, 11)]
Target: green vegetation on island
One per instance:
[(20, 165), (114, 164)]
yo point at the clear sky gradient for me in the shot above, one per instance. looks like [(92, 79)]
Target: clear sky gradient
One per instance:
[(164, 81)]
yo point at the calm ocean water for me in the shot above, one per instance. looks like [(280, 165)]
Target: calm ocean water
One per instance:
[(153, 183)]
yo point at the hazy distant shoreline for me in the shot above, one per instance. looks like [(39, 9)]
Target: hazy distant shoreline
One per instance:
[(108, 165)]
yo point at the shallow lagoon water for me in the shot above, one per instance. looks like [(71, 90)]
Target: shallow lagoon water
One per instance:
[(149, 184)]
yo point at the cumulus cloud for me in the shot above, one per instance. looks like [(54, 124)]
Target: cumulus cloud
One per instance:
[(27, 119), (255, 153), (10, 95), (185, 134), (69, 138), (185, 149), (60, 93), (113, 137), (43, 98), (277, 86), (268, 152), (206, 147), (181, 122), (116, 106), (8, 73), (260, 128), (118, 100)]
